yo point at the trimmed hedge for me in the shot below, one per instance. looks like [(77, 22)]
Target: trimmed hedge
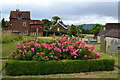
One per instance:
[(54, 67)]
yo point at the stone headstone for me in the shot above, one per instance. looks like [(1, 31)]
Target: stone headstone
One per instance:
[(103, 44), (113, 47)]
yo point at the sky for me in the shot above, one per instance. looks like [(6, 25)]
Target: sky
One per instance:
[(70, 11)]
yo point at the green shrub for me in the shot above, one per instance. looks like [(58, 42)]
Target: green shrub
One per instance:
[(54, 67)]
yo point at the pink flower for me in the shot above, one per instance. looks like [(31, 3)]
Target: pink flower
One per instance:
[(32, 49), (85, 55), (27, 43), (23, 53), (51, 56), (85, 47), (92, 47), (89, 50), (19, 50), (46, 56), (64, 39), (37, 53), (59, 44), (37, 45), (15, 57), (58, 50), (53, 44), (18, 47), (79, 46), (25, 50), (75, 56), (70, 47), (66, 50), (49, 48), (97, 55), (32, 42), (72, 38), (18, 44), (78, 42)]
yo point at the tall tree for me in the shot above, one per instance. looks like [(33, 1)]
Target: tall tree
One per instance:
[(72, 30), (55, 19), (47, 25), (3, 23), (96, 29)]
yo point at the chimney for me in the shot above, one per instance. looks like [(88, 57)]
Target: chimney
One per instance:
[(17, 9)]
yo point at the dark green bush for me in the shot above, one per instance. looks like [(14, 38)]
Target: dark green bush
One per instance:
[(54, 67)]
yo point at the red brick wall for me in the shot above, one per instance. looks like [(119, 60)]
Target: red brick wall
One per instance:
[(34, 27), (18, 24)]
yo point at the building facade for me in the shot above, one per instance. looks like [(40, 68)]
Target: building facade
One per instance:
[(20, 22)]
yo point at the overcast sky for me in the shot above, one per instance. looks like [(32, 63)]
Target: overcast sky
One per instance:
[(70, 11)]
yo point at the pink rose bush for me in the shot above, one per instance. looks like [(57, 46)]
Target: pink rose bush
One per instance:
[(58, 49)]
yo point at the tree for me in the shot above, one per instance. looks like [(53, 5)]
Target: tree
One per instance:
[(96, 29), (3, 23), (72, 30), (55, 19), (47, 25)]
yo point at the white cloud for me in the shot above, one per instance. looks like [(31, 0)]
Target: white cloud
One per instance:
[(92, 19)]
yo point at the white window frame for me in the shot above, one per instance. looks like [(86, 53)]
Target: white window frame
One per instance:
[(24, 23), (58, 29)]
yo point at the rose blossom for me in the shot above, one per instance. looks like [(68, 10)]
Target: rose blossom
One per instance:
[(85, 55), (51, 56), (32, 49), (19, 50)]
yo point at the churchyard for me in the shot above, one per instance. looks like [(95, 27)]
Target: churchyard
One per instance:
[(7, 57)]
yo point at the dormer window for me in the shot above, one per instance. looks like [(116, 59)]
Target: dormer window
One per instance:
[(19, 16)]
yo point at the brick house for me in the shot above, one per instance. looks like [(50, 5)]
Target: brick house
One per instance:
[(20, 22)]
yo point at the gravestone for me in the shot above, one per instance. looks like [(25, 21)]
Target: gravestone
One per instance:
[(103, 44), (113, 47)]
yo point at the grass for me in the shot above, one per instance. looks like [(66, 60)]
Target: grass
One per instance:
[(7, 49), (96, 74)]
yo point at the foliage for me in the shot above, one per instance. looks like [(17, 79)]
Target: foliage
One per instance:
[(54, 50), (55, 19), (72, 31), (54, 67), (97, 28), (47, 24), (87, 31), (3, 23)]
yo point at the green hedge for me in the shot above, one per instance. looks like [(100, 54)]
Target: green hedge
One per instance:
[(54, 67)]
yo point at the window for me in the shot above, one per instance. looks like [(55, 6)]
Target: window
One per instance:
[(26, 32), (24, 23), (58, 29), (19, 16)]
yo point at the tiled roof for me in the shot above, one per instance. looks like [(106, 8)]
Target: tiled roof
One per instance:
[(113, 33), (24, 14), (110, 33), (109, 26), (34, 22)]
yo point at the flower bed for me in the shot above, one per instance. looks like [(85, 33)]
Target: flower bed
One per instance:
[(54, 50)]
